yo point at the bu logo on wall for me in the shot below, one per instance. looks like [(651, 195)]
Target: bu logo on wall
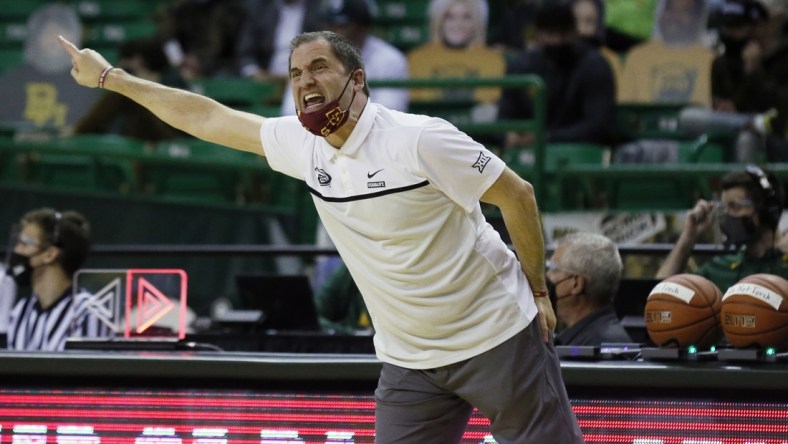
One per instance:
[(137, 302)]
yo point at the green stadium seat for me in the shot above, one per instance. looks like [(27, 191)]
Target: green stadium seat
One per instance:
[(570, 192), (399, 11), (13, 34), (641, 120), (404, 36), (107, 34), (237, 92), (458, 112), (115, 10), (10, 58), (15, 10), (99, 163), (197, 171)]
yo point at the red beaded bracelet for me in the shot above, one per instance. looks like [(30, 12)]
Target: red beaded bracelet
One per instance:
[(541, 294), (103, 75)]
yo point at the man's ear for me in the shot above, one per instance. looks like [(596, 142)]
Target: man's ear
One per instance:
[(358, 77), (580, 284), (51, 254)]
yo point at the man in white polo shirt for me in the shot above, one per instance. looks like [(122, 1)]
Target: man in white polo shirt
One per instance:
[(460, 322)]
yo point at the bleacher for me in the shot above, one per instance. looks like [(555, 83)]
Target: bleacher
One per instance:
[(568, 176)]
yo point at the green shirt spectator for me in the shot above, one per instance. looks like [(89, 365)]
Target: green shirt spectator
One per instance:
[(339, 304), (725, 271), (748, 213)]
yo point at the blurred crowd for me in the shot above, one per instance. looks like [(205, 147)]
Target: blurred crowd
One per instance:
[(726, 57)]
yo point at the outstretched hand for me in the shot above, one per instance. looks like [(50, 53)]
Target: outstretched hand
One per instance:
[(87, 63)]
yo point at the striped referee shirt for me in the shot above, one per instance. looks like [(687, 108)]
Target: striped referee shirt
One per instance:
[(35, 328)]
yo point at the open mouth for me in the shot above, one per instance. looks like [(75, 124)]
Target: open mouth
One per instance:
[(312, 102)]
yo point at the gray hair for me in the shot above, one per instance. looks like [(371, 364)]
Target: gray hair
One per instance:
[(346, 52), (595, 257)]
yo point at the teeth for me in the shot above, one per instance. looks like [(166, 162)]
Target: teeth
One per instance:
[(311, 96)]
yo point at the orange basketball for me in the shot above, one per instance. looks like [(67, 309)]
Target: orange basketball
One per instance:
[(755, 312), (684, 310)]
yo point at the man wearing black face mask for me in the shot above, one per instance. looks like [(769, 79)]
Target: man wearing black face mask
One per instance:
[(748, 213), (48, 249), (740, 20), (748, 77), (583, 275), (579, 82)]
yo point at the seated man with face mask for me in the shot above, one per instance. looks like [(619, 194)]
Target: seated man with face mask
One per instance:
[(580, 89), (583, 276), (749, 213), (50, 247)]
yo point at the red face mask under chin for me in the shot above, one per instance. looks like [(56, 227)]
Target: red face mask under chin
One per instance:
[(328, 119)]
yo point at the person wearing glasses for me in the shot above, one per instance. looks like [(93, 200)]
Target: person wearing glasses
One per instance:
[(48, 249), (748, 213), (582, 276)]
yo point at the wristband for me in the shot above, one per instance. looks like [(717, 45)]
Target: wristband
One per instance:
[(541, 293), (103, 76)]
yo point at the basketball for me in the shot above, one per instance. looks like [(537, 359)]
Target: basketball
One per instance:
[(684, 310), (755, 313)]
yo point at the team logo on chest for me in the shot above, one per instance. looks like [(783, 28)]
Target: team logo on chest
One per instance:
[(323, 178), (481, 162)]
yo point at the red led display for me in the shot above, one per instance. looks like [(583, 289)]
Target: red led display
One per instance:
[(94, 416)]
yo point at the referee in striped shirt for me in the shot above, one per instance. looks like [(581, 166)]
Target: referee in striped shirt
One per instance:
[(49, 248)]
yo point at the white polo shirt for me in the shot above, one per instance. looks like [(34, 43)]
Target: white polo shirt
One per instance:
[(400, 200)]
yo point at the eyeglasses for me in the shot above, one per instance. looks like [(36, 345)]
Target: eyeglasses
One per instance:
[(551, 266), (734, 206), (27, 241)]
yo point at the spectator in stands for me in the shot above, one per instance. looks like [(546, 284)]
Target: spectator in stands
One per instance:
[(457, 48), (590, 16), (39, 94), (673, 66), (748, 80), (340, 306), (263, 44), (50, 247), (200, 36), (741, 53), (512, 27), (115, 114), (748, 213), (353, 20), (579, 82), (583, 273)]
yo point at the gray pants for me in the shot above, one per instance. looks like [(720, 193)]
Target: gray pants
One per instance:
[(517, 385)]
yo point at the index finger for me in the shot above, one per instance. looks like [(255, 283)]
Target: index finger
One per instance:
[(68, 46)]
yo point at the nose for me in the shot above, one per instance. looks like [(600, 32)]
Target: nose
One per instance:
[(306, 78)]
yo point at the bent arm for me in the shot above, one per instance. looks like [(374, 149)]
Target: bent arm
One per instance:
[(517, 201), (698, 220), (192, 113)]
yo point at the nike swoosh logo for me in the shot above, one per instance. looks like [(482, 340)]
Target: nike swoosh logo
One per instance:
[(371, 175)]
